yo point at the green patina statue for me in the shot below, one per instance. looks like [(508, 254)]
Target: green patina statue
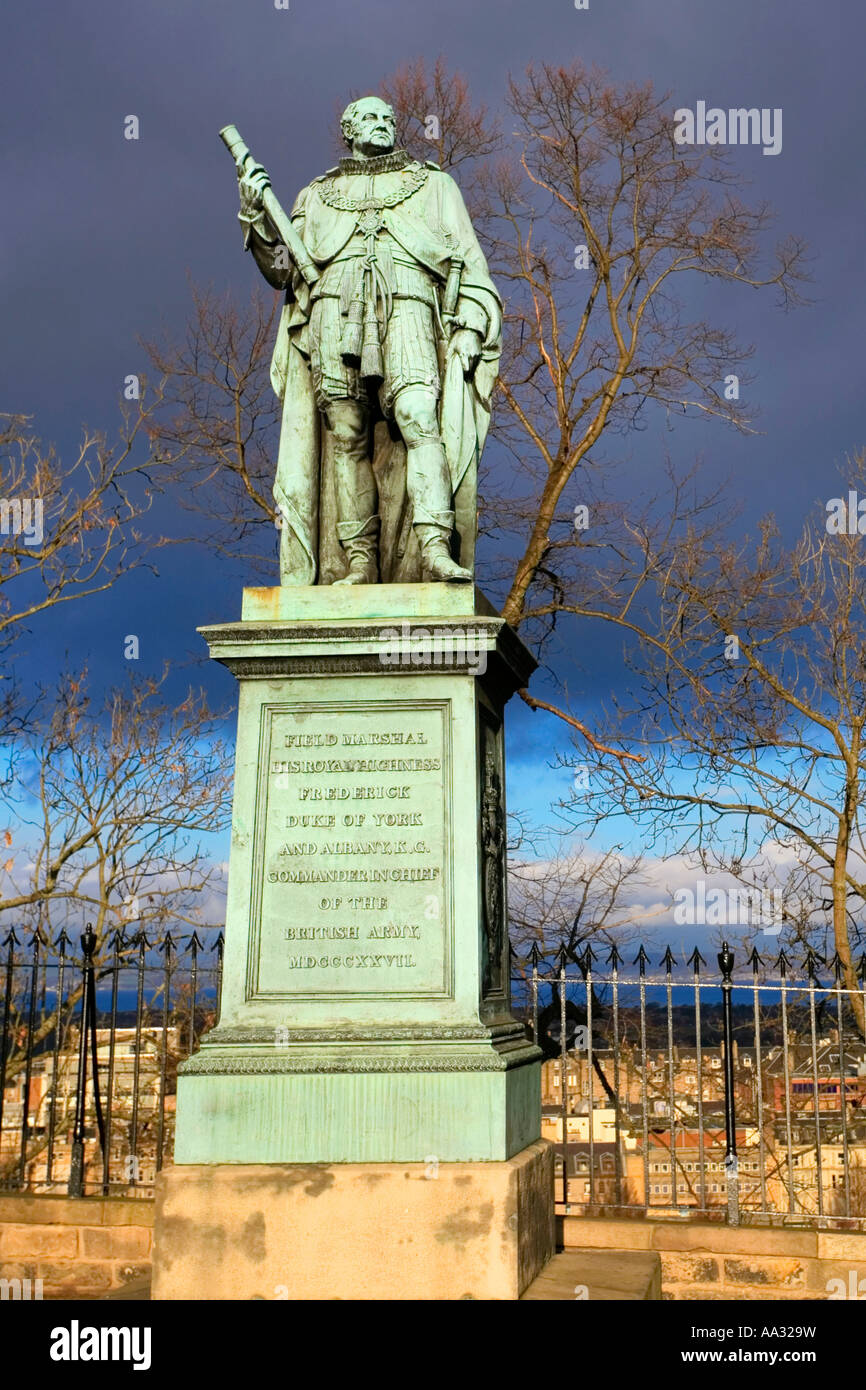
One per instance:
[(385, 361)]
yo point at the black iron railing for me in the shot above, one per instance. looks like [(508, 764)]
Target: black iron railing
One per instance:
[(737, 1093), (90, 1041), (728, 1091)]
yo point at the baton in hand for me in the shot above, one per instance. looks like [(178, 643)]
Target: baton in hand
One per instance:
[(234, 143)]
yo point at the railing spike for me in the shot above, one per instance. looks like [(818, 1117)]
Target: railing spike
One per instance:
[(755, 960), (809, 963), (697, 960)]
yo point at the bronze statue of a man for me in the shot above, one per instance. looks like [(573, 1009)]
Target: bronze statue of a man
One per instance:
[(385, 364)]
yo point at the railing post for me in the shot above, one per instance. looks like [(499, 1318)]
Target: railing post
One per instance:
[(28, 1056), (75, 1186), (726, 965), (563, 1072)]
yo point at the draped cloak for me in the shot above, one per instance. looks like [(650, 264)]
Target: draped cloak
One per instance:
[(431, 225)]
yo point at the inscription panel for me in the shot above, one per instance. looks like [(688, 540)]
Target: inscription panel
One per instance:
[(351, 885)]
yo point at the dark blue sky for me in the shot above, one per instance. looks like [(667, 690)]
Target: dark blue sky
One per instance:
[(99, 234)]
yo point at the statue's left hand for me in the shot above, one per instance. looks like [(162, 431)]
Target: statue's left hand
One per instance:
[(466, 343)]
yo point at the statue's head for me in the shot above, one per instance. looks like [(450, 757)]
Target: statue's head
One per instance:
[(368, 126)]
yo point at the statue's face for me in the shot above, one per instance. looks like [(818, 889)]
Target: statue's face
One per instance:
[(372, 129)]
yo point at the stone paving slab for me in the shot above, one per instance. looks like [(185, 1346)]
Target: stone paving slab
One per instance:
[(598, 1276)]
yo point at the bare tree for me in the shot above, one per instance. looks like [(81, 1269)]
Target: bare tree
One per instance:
[(750, 711), (113, 805), (69, 528), (589, 350), (217, 428), (573, 897)]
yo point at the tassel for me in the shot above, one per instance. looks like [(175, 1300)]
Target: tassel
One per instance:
[(350, 342), (372, 362)]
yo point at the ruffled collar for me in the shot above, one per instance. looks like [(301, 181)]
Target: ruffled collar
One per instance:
[(376, 164)]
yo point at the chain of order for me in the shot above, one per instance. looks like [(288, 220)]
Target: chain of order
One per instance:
[(414, 179)]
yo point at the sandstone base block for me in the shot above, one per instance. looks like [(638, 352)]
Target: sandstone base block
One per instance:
[(372, 1231)]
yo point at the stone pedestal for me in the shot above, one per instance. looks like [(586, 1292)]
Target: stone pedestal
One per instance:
[(355, 1230), (365, 1025)]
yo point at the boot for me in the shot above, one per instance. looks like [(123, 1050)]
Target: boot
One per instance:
[(361, 547), (429, 485), (437, 565)]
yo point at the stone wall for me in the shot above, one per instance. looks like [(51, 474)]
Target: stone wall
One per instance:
[(709, 1261), (86, 1248), (77, 1247)]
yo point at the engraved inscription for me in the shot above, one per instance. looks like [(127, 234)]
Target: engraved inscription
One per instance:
[(352, 848)]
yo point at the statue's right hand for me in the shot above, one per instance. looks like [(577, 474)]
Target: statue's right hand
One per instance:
[(251, 186)]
